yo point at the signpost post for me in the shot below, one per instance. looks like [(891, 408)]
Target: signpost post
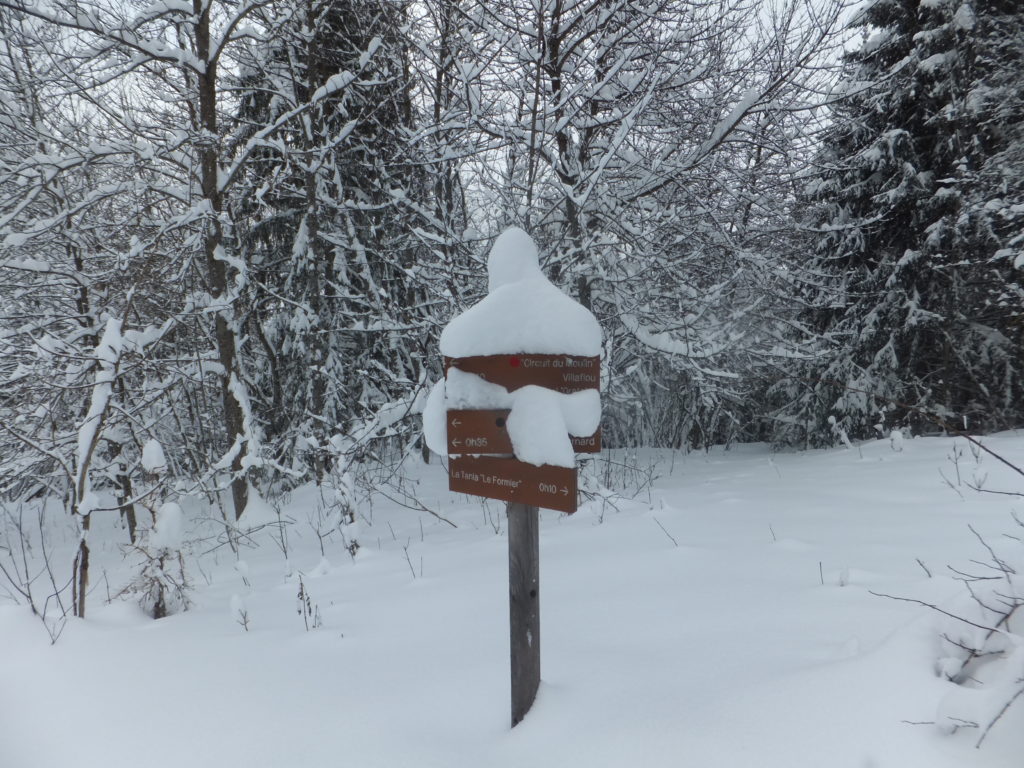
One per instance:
[(524, 606), (479, 448), (491, 341)]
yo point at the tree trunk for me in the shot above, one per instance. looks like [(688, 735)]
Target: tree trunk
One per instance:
[(234, 421), (80, 571)]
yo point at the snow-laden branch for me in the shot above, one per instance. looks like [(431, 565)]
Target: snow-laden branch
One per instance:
[(336, 84), (669, 344), (81, 18), (108, 357)]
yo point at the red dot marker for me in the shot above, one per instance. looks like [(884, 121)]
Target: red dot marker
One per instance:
[(514, 362)]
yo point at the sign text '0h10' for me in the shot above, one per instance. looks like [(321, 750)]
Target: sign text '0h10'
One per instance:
[(484, 431), (507, 479), (562, 373)]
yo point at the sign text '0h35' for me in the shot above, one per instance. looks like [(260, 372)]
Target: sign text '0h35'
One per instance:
[(484, 431)]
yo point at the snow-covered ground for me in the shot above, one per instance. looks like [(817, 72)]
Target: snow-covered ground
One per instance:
[(722, 619)]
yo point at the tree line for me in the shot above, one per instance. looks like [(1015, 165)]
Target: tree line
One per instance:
[(236, 228)]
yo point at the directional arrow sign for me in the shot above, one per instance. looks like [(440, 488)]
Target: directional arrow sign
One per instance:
[(485, 432), (495, 477), (562, 373)]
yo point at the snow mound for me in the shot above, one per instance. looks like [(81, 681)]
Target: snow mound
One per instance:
[(168, 531), (435, 429), (538, 429), (467, 390), (523, 312), (153, 460), (513, 257)]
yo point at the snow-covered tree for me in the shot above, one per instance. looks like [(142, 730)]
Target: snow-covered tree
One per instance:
[(918, 292), (123, 286), (326, 215), (651, 149)]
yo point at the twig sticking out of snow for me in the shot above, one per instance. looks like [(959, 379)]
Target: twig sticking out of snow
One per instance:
[(934, 608), (676, 543)]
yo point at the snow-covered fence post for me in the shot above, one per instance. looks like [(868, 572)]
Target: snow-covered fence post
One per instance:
[(519, 397)]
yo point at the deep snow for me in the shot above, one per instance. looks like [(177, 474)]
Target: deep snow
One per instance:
[(720, 649)]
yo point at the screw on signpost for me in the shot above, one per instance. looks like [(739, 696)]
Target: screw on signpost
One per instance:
[(524, 606), (494, 379)]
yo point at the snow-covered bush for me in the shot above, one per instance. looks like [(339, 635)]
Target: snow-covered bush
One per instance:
[(160, 582), (336, 512), (617, 476), (27, 569), (982, 635), (982, 639)]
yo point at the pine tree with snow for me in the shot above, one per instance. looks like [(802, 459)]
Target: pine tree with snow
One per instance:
[(917, 284), (324, 217)]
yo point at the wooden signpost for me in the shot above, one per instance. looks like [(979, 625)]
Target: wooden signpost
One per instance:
[(481, 464), (522, 310), (483, 434)]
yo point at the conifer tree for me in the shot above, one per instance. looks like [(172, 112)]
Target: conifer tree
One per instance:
[(324, 217), (916, 280)]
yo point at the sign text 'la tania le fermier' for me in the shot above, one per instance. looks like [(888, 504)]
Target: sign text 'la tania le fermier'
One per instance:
[(508, 479)]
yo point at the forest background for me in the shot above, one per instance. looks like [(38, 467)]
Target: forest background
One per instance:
[(231, 232)]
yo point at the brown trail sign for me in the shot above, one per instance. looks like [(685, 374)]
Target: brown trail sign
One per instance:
[(496, 477), (511, 317), (485, 432), (562, 373), (524, 486)]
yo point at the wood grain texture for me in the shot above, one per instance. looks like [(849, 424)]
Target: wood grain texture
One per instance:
[(524, 606)]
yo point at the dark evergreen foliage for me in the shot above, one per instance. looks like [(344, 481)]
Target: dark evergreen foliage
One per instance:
[(917, 294), (324, 220)]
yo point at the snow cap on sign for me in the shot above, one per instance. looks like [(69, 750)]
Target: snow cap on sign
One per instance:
[(514, 257), (523, 313), (537, 428)]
